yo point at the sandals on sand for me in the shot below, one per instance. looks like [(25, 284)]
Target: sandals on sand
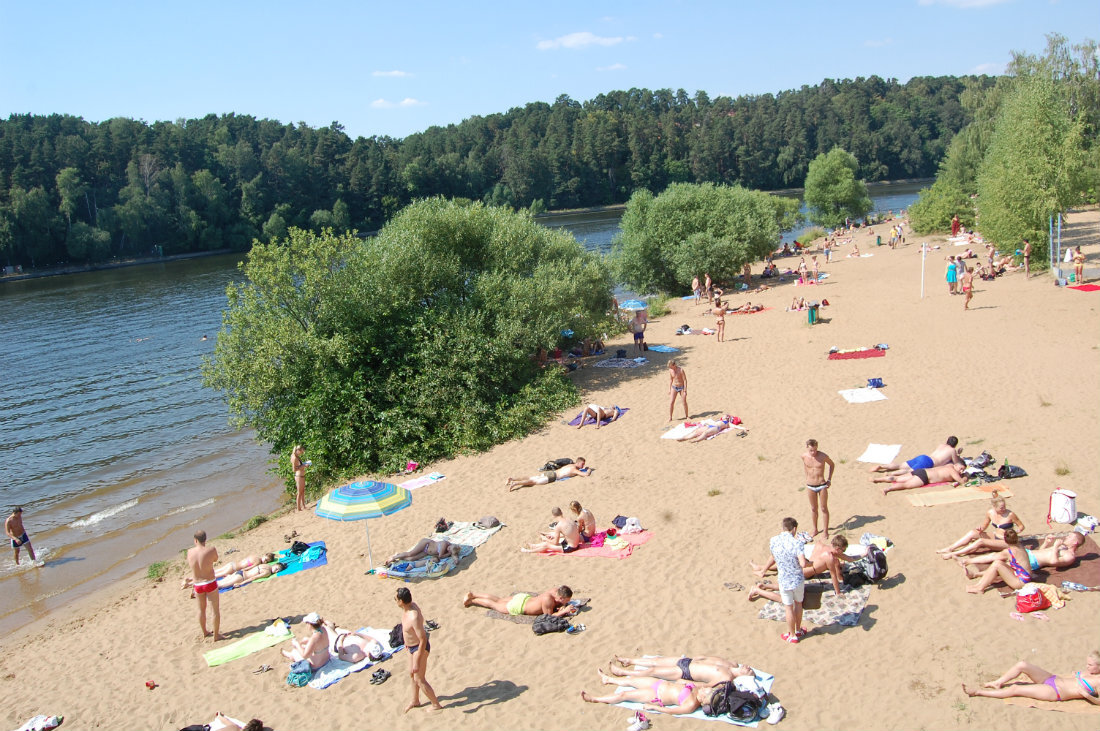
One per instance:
[(787, 637), (431, 625), (289, 537), (261, 669), (734, 586), (381, 675)]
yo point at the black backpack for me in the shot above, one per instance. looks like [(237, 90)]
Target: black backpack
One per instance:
[(298, 548), (554, 464), (737, 704), (870, 569), (546, 623), (397, 636)]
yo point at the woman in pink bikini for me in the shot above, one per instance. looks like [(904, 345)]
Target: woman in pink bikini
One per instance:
[(676, 697), (1044, 685)]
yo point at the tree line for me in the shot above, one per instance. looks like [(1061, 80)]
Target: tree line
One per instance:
[(76, 191)]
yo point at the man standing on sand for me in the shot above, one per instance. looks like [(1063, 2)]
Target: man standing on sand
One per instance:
[(201, 558), (790, 558), (637, 326), (678, 386), (696, 289), (709, 286), (1027, 259), (419, 647), (817, 484), (14, 529)]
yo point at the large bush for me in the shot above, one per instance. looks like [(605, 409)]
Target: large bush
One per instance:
[(936, 206), (413, 345), (690, 229), (833, 192)]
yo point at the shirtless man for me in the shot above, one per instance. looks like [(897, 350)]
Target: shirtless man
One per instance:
[(315, 649), (817, 484), (425, 548), (921, 477), (823, 558), (419, 647), (1054, 552), (577, 469), (585, 520), (565, 537), (677, 387), (946, 453), (709, 292), (599, 414), (201, 558), (638, 326), (552, 601), (696, 289), (14, 529), (701, 670)]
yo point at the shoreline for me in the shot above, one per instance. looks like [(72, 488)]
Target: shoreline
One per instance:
[(114, 264)]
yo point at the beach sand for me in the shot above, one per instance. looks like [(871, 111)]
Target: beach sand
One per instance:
[(1018, 376)]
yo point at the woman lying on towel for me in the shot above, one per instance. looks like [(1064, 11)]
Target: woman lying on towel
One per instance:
[(676, 697), (353, 646), (711, 428), (240, 577), (699, 670), (1044, 685), (427, 548), (234, 566), (989, 534), (1055, 552)]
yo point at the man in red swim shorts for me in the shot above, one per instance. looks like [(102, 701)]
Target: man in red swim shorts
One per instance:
[(201, 559)]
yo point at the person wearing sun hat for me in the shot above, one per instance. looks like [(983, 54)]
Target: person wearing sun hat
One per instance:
[(314, 649)]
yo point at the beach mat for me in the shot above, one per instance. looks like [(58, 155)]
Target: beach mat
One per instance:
[(527, 618), (620, 550), (766, 680), (862, 395), (1086, 571), (589, 420), (465, 533), (753, 312), (822, 607), (1086, 287), (431, 570), (1077, 705), (618, 363), (963, 494), (662, 349), (422, 481), (880, 453), (336, 670), (242, 648), (858, 354)]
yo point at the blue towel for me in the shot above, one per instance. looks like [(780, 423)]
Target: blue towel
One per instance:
[(663, 349)]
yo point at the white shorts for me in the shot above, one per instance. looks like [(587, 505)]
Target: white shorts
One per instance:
[(790, 596)]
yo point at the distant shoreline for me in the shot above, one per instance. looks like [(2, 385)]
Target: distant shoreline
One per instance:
[(117, 264)]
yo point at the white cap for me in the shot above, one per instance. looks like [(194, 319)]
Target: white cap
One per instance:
[(312, 618)]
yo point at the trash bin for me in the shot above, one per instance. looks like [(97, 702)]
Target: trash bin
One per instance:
[(878, 241), (811, 313)]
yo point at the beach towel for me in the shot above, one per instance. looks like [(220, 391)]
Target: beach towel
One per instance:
[(1077, 705), (591, 420), (432, 570), (466, 533), (618, 547), (1086, 571), (880, 453), (963, 494), (422, 481), (862, 395), (617, 363), (528, 618), (823, 607), (1086, 287), (750, 312), (293, 562), (336, 670), (663, 349), (858, 354), (766, 680), (242, 648)]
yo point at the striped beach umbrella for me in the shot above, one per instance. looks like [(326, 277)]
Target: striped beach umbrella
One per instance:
[(362, 500), (633, 305)]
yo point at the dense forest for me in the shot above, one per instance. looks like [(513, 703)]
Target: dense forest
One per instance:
[(72, 191)]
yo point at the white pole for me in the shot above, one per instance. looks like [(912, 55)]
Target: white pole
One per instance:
[(923, 254), (370, 559)]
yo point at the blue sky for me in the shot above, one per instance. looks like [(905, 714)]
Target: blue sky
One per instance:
[(393, 69)]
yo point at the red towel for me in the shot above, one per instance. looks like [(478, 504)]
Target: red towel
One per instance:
[(1086, 287), (856, 355)]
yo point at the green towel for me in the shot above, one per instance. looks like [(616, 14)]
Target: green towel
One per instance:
[(253, 643)]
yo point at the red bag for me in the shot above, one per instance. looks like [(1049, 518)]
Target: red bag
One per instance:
[(1031, 602)]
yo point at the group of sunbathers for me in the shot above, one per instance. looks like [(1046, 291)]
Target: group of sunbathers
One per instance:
[(566, 534), (237, 573), (673, 685), (943, 465), (326, 641)]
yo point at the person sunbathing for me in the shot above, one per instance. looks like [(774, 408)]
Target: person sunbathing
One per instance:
[(1044, 685), (585, 520), (552, 601), (1014, 569), (820, 558), (711, 428), (234, 566), (946, 453), (855, 251), (1054, 552), (600, 414), (921, 477), (315, 649), (427, 548), (797, 304), (704, 670), (243, 576), (354, 647), (564, 537), (675, 697), (578, 469), (748, 307), (999, 518)]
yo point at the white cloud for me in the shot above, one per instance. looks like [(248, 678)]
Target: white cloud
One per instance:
[(879, 43), (578, 40), (964, 3), (612, 67), (658, 36), (992, 69), (395, 74), (406, 102)]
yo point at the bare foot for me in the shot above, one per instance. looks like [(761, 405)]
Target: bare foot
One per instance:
[(993, 685), (621, 660), (968, 691), (468, 599), (757, 569), (816, 531), (946, 555), (973, 590), (412, 706), (603, 676), (754, 592), (617, 672), (432, 708), (586, 698), (219, 637)]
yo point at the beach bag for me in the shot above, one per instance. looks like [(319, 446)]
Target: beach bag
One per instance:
[(397, 636), (632, 525), (868, 570), (546, 623), (1009, 471), (1062, 507), (874, 383), (443, 525), (983, 460), (298, 548), (620, 353), (737, 704), (300, 674), (555, 464), (1032, 601), (487, 521)]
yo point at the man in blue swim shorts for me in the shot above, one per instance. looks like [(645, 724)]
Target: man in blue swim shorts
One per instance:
[(15, 531), (945, 454)]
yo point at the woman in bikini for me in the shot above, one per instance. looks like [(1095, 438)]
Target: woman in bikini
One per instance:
[(1044, 685), (1014, 569), (998, 518), (299, 469), (235, 574), (427, 548), (354, 647), (720, 320), (315, 649), (676, 697), (699, 670)]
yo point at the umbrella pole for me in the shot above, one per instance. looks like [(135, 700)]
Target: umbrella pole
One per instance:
[(370, 559)]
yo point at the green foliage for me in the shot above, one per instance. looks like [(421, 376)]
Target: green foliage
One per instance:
[(833, 192), (414, 344), (658, 306), (157, 570), (255, 521), (689, 230), (936, 206), (812, 234)]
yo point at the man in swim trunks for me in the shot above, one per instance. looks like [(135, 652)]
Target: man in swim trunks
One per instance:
[(565, 537), (552, 601), (14, 529), (946, 453), (201, 559), (920, 477), (1044, 685), (677, 387), (817, 484), (703, 670), (696, 289), (638, 326), (577, 469), (599, 414), (419, 647)]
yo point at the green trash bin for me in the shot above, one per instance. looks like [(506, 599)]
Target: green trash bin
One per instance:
[(878, 241), (811, 314)]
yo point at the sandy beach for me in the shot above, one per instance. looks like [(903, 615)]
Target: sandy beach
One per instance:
[(1018, 375)]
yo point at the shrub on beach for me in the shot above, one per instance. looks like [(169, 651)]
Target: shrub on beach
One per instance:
[(415, 344), (833, 192), (812, 234)]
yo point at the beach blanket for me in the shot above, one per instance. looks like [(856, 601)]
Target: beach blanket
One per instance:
[(618, 547), (862, 395), (682, 430), (336, 670), (246, 646), (766, 680), (293, 562), (1086, 287), (963, 494), (823, 607), (858, 354), (618, 363), (422, 481), (880, 453), (431, 570), (465, 533), (591, 420), (527, 618), (1073, 706), (750, 312), (663, 349), (1086, 571)]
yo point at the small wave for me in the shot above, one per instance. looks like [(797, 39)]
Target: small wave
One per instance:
[(185, 508), (103, 514)]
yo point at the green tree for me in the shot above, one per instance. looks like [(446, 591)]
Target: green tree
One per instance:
[(86, 243), (937, 205), (413, 344), (833, 192), (72, 192)]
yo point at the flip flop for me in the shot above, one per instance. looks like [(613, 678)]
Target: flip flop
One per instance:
[(431, 625), (380, 676), (1040, 616), (801, 632), (289, 538), (734, 586), (261, 669), (1017, 616)]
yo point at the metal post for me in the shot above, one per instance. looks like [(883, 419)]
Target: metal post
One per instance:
[(923, 255)]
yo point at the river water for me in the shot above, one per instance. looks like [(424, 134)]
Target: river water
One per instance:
[(112, 446)]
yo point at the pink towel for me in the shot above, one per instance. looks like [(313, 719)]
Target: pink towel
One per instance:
[(632, 539)]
